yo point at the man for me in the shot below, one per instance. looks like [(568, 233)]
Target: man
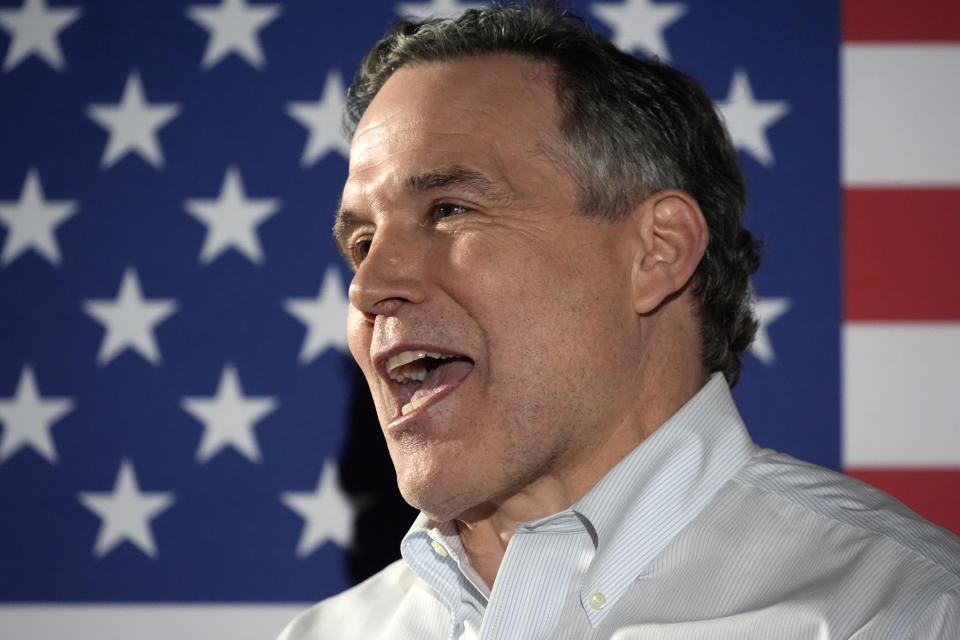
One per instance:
[(550, 301)]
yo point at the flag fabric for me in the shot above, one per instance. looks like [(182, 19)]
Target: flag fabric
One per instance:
[(186, 449), (901, 186)]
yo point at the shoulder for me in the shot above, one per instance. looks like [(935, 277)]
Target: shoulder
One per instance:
[(789, 532), (841, 502), (880, 565), (356, 608)]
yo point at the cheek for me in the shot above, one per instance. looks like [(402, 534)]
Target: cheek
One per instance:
[(359, 333)]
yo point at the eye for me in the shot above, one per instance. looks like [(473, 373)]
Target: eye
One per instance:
[(447, 209), (359, 249)]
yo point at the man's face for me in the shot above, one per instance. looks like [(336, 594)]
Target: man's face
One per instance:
[(469, 248)]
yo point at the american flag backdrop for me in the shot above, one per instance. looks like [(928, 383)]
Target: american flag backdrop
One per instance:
[(186, 449)]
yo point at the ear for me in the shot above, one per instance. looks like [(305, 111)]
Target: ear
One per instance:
[(674, 236)]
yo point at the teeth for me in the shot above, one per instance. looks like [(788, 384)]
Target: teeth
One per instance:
[(409, 372), (410, 406), (403, 367), (405, 357)]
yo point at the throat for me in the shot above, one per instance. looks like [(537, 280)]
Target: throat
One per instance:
[(485, 548)]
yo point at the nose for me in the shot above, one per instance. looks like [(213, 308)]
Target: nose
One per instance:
[(390, 276)]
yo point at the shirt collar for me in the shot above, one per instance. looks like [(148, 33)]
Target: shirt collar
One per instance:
[(446, 577), (650, 495)]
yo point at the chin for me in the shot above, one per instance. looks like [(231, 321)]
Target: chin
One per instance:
[(438, 497), (432, 499)]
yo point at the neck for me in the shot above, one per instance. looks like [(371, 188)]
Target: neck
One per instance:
[(485, 530), (664, 380)]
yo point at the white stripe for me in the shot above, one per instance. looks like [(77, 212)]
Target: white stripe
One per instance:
[(901, 395), (145, 622), (900, 114)]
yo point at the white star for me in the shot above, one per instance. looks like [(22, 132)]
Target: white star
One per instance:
[(234, 27), (27, 418), (747, 119), (325, 317), (323, 119), (32, 220), (129, 320), (434, 9), (133, 124), (228, 417), (639, 24), (767, 310), (232, 219), (326, 510), (34, 28), (125, 513)]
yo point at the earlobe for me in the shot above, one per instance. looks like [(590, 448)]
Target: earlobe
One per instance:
[(674, 237)]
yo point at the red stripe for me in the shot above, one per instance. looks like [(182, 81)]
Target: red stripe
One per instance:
[(932, 493), (899, 21), (902, 254)]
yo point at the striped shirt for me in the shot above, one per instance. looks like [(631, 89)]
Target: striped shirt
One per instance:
[(696, 534)]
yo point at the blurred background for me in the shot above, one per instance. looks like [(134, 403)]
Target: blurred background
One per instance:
[(185, 445)]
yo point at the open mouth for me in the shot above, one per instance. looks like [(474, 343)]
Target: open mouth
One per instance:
[(422, 375)]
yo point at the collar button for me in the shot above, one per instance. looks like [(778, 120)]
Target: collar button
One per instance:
[(438, 548)]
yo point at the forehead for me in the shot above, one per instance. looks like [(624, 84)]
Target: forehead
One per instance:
[(494, 109)]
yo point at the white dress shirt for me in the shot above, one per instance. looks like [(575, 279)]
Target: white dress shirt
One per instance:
[(696, 534)]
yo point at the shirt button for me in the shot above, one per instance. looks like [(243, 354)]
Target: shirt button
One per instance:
[(597, 601), (439, 549)]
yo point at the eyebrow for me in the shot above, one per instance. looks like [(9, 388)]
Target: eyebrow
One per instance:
[(345, 221), (455, 175)]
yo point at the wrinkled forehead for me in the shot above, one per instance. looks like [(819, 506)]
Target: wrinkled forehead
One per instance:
[(501, 100)]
